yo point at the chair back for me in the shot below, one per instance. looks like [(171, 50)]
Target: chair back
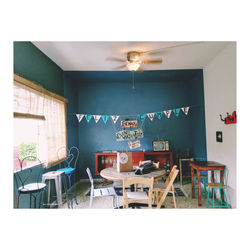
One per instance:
[(90, 176), (74, 153), (149, 182), (24, 175), (171, 174), (168, 187)]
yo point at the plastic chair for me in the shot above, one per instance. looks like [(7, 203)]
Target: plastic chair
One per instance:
[(99, 192), (28, 183), (70, 169), (220, 184)]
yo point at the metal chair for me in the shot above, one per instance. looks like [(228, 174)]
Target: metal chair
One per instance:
[(99, 192), (28, 182), (218, 182), (70, 169)]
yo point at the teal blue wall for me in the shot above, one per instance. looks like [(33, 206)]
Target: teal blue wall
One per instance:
[(111, 93), (34, 65)]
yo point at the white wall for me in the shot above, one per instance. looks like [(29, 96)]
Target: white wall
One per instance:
[(220, 97)]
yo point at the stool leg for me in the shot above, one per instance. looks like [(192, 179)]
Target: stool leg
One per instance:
[(213, 197), (227, 205), (70, 193), (48, 201), (59, 191), (208, 191)]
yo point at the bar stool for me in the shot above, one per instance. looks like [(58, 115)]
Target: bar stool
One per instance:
[(56, 177), (69, 170)]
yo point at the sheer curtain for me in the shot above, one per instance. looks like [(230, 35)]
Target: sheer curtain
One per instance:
[(36, 103)]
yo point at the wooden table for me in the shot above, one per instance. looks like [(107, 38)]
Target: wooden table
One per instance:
[(204, 166), (113, 175)]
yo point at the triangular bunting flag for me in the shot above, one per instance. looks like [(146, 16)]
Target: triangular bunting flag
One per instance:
[(176, 111), (88, 117), (115, 118), (105, 118), (96, 118), (185, 110), (167, 113), (159, 115), (79, 117), (151, 116), (142, 117)]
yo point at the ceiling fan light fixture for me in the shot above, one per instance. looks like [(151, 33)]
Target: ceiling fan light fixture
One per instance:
[(133, 66)]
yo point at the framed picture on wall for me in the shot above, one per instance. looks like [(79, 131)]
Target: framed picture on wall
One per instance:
[(160, 146)]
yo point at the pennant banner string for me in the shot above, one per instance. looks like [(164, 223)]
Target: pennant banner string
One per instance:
[(185, 110)]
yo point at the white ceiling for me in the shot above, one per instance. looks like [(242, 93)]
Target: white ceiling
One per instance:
[(92, 56)]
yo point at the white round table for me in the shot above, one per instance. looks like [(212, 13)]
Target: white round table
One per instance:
[(113, 175)]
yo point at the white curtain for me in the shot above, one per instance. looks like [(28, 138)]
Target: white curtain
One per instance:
[(34, 104)]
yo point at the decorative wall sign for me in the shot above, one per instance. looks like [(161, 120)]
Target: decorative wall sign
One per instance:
[(135, 144), (151, 116), (124, 135), (159, 115), (79, 117), (88, 117), (176, 111), (115, 118), (185, 110), (230, 118), (105, 118), (141, 117), (167, 113), (129, 124), (96, 118), (160, 146)]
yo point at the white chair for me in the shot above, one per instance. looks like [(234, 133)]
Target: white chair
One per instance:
[(99, 192)]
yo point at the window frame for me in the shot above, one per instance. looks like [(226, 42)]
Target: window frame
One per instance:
[(33, 85)]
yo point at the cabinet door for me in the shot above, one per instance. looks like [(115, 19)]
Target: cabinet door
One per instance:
[(137, 157)]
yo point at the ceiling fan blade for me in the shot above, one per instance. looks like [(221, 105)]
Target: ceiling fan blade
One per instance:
[(140, 69), (156, 51), (115, 59), (152, 61), (120, 67)]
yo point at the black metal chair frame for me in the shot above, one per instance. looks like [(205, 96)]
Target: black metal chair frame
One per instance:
[(33, 189)]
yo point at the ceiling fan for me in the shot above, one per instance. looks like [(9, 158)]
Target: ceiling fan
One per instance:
[(134, 61)]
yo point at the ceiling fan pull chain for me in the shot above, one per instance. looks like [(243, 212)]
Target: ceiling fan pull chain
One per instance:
[(133, 81)]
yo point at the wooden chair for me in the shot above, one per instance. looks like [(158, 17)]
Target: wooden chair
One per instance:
[(137, 196), (161, 190)]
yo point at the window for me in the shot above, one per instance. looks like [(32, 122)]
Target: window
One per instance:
[(39, 123)]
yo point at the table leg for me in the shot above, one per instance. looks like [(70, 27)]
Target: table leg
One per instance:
[(192, 180), (199, 186), (180, 166)]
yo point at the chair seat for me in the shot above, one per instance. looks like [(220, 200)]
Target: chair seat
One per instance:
[(67, 171), (139, 195), (216, 185), (104, 192), (32, 187)]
